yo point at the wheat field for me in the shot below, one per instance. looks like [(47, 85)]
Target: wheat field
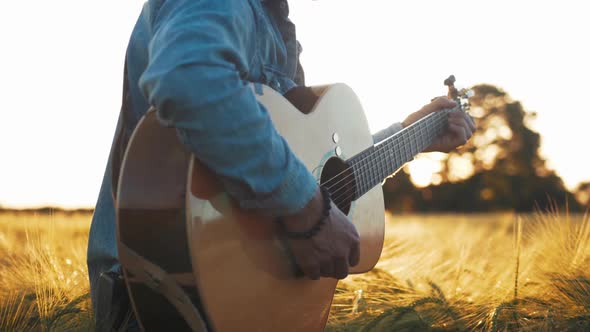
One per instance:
[(500, 272)]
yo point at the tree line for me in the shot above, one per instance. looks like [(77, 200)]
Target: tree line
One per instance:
[(499, 169)]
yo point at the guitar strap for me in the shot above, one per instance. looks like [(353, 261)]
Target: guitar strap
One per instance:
[(145, 272)]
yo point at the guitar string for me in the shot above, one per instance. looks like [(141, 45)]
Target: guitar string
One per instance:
[(386, 151), (346, 188), (432, 126), (340, 198), (423, 120)]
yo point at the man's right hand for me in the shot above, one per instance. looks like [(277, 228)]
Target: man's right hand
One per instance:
[(332, 250)]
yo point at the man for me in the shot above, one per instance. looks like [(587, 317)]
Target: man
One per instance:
[(193, 61)]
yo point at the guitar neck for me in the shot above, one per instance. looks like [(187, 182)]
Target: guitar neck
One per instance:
[(373, 165)]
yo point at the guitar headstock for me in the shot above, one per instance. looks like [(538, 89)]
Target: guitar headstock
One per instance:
[(461, 96)]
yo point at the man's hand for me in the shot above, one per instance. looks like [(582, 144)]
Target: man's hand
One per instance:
[(332, 250), (461, 125)]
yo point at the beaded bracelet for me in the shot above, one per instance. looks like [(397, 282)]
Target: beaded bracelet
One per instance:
[(316, 228)]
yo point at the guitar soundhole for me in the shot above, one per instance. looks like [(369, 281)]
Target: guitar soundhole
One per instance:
[(338, 177)]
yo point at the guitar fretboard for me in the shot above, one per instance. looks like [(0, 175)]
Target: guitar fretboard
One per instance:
[(375, 164)]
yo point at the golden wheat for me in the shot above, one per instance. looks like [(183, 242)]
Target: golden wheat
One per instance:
[(43, 275), (443, 272), (466, 272)]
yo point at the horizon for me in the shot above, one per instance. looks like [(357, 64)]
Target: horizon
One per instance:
[(395, 56)]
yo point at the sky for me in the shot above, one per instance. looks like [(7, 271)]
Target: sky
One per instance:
[(62, 61)]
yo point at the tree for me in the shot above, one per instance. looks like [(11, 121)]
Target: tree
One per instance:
[(499, 169)]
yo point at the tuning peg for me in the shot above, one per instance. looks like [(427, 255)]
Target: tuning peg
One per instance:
[(450, 80), (459, 94), (452, 93)]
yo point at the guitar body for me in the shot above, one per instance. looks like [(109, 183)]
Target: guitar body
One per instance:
[(232, 264)]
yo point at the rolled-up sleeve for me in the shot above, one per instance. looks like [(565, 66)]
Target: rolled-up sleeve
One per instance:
[(198, 62)]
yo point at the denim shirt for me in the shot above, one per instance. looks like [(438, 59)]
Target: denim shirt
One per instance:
[(194, 61)]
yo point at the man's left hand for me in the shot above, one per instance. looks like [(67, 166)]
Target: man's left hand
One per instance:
[(461, 125)]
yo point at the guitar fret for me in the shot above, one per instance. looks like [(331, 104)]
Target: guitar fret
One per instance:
[(379, 165), (384, 164), (366, 166), (411, 141), (413, 144), (359, 176), (371, 170), (398, 155), (406, 152), (424, 134), (387, 164), (362, 176)]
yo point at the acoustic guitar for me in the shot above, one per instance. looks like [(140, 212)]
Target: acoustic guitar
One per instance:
[(193, 260)]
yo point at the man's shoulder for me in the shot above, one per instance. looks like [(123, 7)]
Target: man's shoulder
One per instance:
[(158, 7), (240, 12)]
